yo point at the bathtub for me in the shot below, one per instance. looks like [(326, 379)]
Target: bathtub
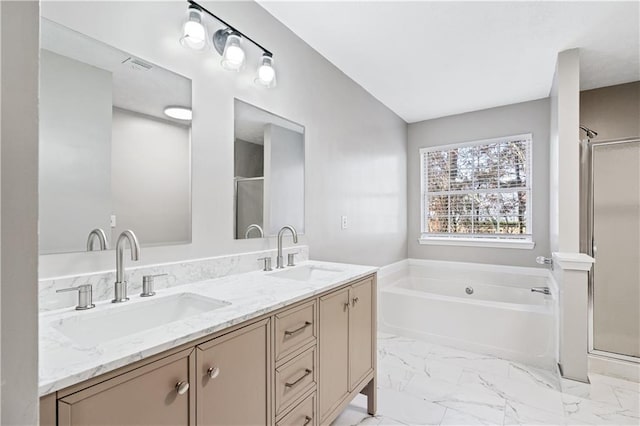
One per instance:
[(482, 308)]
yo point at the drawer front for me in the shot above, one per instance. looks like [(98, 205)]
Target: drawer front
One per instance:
[(295, 328), (302, 415), (294, 379)]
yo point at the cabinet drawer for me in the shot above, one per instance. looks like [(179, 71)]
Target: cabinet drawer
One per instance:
[(295, 378), (302, 415), (295, 328)]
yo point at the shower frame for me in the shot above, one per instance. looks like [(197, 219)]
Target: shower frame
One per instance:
[(586, 234)]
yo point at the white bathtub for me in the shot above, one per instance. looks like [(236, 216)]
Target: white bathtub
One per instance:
[(428, 300)]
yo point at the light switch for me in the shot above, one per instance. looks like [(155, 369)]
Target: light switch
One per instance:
[(113, 220), (345, 224)]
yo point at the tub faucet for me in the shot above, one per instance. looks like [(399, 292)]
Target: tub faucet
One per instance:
[(97, 234), (543, 290), (120, 286), (280, 259)]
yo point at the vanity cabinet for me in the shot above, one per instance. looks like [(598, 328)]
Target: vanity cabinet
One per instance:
[(347, 350), (159, 393), (232, 377), (300, 365)]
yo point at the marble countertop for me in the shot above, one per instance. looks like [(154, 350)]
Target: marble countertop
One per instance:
[(63, 362)]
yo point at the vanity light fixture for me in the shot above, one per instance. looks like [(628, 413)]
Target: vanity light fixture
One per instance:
[(232, 55), (179, 113), (227, 42), (194, 34), (266, 73)]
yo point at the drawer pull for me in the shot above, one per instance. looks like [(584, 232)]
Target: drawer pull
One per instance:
[(307, 420), (213, 372), (182, 387), (297, 330), (306, 373)]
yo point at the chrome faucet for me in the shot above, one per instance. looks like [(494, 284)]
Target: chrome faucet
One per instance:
[(120, 286), (97, 234), (280, 259), (252, 227)]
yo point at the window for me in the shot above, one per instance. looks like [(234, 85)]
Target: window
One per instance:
[(478, 193)]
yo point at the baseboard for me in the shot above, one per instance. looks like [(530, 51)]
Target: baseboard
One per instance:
[(619, 369)]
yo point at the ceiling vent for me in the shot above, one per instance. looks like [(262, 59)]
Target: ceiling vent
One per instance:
[(137, 64)]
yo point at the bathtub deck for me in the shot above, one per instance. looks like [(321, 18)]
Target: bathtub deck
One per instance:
[(422, 383)]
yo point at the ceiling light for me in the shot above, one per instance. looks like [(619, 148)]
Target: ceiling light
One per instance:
[(233, 55), (179, 113), (194, 34), (266, 72)]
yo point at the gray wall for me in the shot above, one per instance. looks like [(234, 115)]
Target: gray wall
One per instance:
[(19, 214), (347, 131), (249, 159), (284, 179), (613, 112), (75, 152), (527, 117), (150, 178)]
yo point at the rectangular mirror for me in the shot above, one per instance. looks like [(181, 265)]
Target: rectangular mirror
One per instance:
[(268, 173), (112, 157)]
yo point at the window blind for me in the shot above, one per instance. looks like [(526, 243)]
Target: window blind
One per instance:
[(479, 189)]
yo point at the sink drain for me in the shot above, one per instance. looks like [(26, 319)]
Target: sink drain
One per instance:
[(469, 290)]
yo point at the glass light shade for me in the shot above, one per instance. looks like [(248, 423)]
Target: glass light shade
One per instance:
[(266, 73), (194, 35), (233, 55)]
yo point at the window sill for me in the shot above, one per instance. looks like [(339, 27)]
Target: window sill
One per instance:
[(512, 244)]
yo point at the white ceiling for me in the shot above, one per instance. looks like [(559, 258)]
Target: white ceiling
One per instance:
[(431, 59), (250, 121), (140, 89)]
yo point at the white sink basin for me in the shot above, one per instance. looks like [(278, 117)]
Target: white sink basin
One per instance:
[(92, 328), (306, 273)]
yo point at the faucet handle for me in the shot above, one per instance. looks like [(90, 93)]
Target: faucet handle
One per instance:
[(147, 285), (85, 296), (290, 259), (267, 264)]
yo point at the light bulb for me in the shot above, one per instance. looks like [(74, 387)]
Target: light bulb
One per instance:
[(233, 55), (194, 35), (266, 72)]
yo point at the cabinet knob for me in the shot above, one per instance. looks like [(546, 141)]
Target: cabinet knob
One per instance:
[(346, 305), (307, 420), (354, 301), (182, 387), (213, 372)]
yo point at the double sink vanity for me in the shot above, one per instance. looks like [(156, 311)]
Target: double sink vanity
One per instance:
[(290, 347), (214, 342)]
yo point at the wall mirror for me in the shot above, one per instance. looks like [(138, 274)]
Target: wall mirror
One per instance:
[(268, 173), (115, 145)]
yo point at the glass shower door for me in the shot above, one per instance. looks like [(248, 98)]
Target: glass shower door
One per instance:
[(616, 242)]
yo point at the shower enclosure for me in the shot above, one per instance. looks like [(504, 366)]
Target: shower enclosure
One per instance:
[(610, 232)]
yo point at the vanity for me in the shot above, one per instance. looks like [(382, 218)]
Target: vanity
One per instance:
[(292, 347), (206, 345)]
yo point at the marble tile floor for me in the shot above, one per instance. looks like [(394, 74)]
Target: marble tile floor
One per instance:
[(425, 384)]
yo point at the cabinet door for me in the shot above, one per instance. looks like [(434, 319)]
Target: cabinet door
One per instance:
[(334, 350), (361, 323), (232, 378), (145, 396)]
